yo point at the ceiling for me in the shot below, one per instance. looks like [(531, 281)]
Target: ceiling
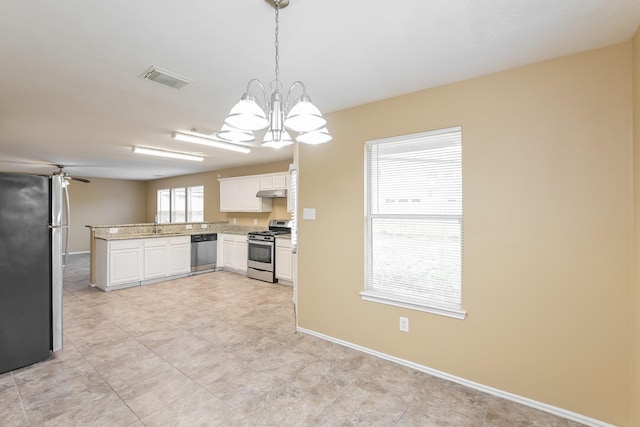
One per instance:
[(71, 91)]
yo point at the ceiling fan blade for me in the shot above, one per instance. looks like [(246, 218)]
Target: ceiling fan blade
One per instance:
[(79, 179)]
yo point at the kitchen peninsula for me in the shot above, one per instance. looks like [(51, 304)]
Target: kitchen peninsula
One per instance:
[(133, 244)]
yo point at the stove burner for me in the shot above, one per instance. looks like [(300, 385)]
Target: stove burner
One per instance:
[(276, 227)]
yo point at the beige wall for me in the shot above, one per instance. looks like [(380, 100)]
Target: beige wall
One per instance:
[(212, 193), (103, 201), (548, 256), (636, 158)]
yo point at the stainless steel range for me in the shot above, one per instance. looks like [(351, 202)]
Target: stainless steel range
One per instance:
[(261, 261)]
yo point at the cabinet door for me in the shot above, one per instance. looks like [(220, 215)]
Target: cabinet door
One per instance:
[(179, 258), (155, 258), (280, 181), (227, 196), (284, 264), (228, 249), (125, 265), (220, 252), (266, 182), (240, 254), (250, 187)]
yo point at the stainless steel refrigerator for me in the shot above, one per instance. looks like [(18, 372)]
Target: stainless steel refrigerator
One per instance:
[(31, 257)]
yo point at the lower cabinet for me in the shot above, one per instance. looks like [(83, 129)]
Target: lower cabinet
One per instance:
[(284, 260), (234, 252), (156, 253), (125, 263), (179, 255)]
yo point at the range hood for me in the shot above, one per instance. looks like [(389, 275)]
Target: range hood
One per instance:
[(272, 193)]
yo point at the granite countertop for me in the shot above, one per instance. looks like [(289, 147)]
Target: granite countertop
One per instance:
[(157, 235), (145, 231)]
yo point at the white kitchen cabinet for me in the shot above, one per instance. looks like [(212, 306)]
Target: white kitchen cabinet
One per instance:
[(239, 195), (155, 258), (228, 191), (220, 252), (119, 263), (228, 245), (273, 181), (254, 204), (234, 249), (179, 255), (133, 262), (284, 260)]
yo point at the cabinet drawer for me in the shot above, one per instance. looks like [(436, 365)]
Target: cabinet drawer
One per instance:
[(283, 243), (155, 242), (125, 244), (179, 240)]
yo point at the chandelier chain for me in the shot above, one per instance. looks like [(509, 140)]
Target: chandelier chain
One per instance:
[(277, 43)]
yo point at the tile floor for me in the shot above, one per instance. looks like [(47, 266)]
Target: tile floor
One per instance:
[(220, 350)]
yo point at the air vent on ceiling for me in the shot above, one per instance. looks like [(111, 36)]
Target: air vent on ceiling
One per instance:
[(165, 77)]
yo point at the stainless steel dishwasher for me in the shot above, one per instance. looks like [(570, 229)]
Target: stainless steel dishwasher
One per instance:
[(204, 252)]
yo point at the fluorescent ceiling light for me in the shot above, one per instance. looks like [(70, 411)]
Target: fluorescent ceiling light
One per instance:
[(165, 153), (205, 140)]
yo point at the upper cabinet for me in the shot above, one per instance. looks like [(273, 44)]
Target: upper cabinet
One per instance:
[(273, 182), (239, 194)]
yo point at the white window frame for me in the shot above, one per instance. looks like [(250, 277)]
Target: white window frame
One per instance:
[(159, 215), (190, 203), (425, 302), (187, 204)]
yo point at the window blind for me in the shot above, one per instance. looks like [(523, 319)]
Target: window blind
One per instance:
[(414, 219)]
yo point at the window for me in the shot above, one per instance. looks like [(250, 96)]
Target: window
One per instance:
[(414, 222), (181, 204), (164, 206), (178, 204), (195, 204)]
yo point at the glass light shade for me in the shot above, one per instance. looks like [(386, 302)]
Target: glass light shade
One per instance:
[(247, 115), (232, 134), (315, 137), (285, 139), (304, 117)]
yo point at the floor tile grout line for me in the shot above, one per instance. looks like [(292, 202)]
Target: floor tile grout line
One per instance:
[(24, 409), (108, 384)]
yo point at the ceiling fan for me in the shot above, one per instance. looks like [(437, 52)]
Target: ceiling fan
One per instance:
[(65, 175)]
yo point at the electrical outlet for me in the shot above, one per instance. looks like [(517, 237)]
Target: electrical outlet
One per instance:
[(204, 225), (189, 226), (234, 220), (404, 324), (255, 221), (113, 231)]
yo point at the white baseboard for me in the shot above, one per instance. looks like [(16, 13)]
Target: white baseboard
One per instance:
[(78, 253), (477, 386)]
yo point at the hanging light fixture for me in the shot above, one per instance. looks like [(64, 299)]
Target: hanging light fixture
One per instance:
[(276, 113)]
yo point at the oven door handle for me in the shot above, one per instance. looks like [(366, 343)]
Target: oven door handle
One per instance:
[(260, 242)]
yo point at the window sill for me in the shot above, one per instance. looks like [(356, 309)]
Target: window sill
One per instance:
[(411, 304)]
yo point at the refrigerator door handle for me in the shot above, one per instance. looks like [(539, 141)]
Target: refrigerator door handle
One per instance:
[(57, 278), (66, 225)]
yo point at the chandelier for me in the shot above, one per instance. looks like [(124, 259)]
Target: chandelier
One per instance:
[(278, 114)]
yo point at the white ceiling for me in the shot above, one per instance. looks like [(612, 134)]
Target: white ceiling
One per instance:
[(70, 91)]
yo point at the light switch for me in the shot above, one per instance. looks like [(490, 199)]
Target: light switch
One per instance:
[(309, 213)]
